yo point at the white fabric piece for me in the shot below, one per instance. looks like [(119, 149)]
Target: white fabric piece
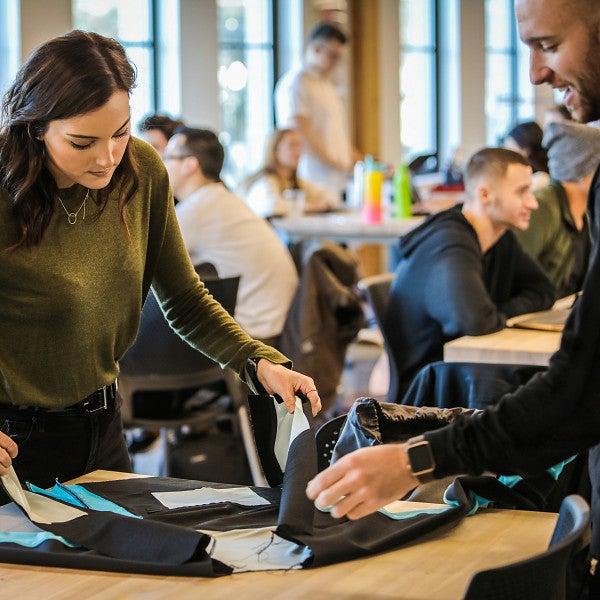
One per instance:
[(289, 426), (39, 509), (203, 496), (256, 550), (13, 519)]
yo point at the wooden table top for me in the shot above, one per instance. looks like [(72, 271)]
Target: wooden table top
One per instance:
[(438, 566), (509, 346)]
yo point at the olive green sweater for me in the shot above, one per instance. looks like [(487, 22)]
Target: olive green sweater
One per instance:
[(70, 307), (552, 238)]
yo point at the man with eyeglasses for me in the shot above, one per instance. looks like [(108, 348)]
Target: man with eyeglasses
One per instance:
[(220, 228), (307, 99)]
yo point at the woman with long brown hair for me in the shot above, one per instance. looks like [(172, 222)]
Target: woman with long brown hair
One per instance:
[(87, 225), (265, 189)]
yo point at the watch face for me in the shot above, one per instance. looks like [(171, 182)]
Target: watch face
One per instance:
[(421, 458)]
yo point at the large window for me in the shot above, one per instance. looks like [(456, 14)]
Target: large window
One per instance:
[(418, 77), (9, 42), (509, 94), (245, 82), (132, 23)]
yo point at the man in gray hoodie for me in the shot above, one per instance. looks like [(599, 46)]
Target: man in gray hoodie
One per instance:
[(463, 272)]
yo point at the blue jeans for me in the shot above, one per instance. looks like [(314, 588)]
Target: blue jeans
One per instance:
[(55, 445)]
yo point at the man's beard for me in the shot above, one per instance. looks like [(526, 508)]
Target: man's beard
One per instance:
[(588, 86)]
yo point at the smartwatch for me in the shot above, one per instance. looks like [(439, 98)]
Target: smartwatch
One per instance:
[(420, 459)]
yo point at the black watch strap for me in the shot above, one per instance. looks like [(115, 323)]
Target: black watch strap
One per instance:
[(252, 369)]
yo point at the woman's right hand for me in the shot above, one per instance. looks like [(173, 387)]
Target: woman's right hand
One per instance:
[(8, 451)]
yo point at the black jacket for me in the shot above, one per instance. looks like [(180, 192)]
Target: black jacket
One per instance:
[(555, 415), (444, 288)]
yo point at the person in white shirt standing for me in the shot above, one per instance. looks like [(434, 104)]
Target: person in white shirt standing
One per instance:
[(220, 228), (307, 99)]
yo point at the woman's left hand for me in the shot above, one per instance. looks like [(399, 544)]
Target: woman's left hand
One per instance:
[(284, 382), (8, 451)]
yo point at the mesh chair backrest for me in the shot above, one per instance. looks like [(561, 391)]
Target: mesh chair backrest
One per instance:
[(542, 577), (326, 438)]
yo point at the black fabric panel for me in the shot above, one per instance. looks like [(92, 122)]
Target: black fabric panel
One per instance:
[(264, 427), (54, 554), (136, 496)]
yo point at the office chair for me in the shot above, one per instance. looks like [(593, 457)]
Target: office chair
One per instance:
[(544, 576), (377, 290), (160, 361)]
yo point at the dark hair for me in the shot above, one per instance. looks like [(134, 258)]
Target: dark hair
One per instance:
[(528, 136), (69, 75), (490, 163), (323, 32), (163, 123), (205, 146)]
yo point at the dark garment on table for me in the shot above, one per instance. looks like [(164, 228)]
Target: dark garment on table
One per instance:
[(464, 384), (444, 288), (60, 445), (165, 541), (555, 415)]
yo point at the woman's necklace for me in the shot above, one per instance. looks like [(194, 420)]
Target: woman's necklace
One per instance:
[(72, 216)]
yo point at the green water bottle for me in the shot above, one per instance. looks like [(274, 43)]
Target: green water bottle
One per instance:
[(402, 192)]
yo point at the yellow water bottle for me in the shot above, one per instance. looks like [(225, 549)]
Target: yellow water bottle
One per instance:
[(373, 177)]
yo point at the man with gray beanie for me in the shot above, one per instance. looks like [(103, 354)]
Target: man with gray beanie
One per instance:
[(558, 234)]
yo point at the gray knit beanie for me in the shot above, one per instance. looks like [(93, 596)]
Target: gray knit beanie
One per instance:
[(573, 150)]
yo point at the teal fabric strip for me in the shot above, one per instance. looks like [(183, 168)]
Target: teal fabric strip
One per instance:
[(477, 502), (509, 481), (58, 493), (77, 495), (32, 539)]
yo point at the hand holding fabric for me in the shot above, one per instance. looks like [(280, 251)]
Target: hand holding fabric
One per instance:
[(277, 379), (363, 481), (8, 451)]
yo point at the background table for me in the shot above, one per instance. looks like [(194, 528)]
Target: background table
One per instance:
[(436, 567), (509, 346), (346, 226)]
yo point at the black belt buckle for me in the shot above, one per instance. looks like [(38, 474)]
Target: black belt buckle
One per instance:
[(96, 402)]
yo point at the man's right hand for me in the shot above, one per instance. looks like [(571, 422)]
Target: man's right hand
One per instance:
[(363, 481)]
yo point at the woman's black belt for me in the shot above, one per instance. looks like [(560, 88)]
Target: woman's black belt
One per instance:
[(97, 402)]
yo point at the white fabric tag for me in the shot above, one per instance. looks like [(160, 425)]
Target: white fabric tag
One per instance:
[(289, 426), (200, 497)]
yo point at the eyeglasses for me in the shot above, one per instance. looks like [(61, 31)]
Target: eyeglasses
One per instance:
[(175, 156)]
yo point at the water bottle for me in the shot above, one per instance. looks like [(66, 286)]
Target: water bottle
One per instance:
[(374, 176), (402, 192)]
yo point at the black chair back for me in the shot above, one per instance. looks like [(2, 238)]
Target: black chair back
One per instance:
[(542, 577)]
